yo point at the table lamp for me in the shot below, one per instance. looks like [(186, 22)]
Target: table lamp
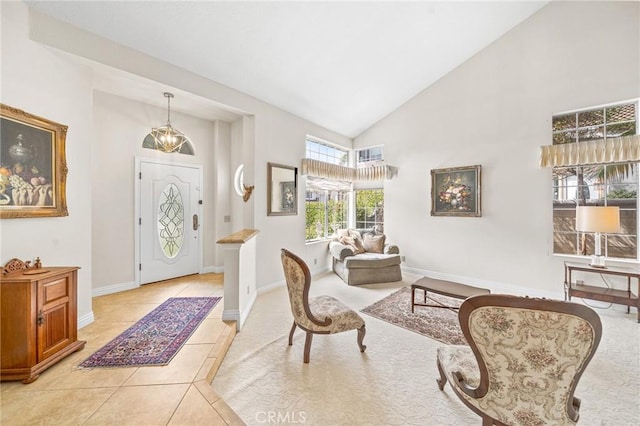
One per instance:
[(598, 219)]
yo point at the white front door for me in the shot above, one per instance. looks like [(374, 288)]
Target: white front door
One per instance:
[(169, 222)]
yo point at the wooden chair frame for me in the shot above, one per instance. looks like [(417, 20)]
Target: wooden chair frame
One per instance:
[(319, 322), (475, 302)]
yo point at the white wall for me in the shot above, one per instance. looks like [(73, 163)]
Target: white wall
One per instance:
[(495, 110), (52, 84), (120, 125), (41, 82)]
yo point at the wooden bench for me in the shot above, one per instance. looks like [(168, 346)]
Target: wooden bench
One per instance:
[(444, 288)]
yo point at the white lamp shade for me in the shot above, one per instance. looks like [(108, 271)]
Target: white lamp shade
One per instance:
[(598, 219)]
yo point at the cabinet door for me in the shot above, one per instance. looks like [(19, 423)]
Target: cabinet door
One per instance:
[(54, 321)]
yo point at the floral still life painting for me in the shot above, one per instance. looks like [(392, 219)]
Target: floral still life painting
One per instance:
[(455, 191)]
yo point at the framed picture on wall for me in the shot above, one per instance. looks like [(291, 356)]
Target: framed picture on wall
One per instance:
[(33, 167), (456, 191), (282, 189)]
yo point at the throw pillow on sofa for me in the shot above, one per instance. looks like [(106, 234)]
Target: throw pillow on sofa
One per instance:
[(374, 243), (354, 243)]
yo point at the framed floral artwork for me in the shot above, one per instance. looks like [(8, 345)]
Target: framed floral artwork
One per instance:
[(33, 168), (456, 191)]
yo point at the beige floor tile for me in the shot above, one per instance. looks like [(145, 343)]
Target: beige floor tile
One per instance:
[(93, 378), (207, 391), (130, 312), (65, 394), (209, 331), (182, 368), (195, 410), (201, 290), (229, 416), (140, 405), (100, 333), (217, 310), (207, 366), (52, 407)]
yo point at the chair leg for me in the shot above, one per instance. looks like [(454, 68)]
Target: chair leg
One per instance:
[(361, 332), (293, 328), (307, 347), (443, 377), (487, 421)]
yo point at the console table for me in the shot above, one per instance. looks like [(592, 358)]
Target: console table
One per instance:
[(604, 294)]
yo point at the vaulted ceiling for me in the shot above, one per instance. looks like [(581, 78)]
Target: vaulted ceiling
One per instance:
[(342, 65)]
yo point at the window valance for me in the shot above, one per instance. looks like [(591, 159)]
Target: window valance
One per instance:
[(323, 184), (342, 173), (614, 150)]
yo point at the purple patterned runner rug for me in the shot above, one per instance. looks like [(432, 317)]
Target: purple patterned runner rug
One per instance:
[(436, 323), (157, 337)]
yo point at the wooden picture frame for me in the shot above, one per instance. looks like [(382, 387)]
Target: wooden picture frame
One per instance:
[(282, 190), (456, 191), (33, 166)]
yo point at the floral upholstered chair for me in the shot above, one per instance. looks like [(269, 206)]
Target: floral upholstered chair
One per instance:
[(524, 359), (319, 315)]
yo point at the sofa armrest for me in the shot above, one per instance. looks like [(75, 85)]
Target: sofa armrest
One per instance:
[(339, 251), (391, 249)]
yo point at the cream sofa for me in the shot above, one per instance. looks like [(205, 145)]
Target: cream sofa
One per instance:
[(381, 263)]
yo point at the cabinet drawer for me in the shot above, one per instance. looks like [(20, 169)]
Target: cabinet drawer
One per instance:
[(56, 290)]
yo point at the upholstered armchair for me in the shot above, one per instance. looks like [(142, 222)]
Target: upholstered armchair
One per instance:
[(316, 315), (524, 359)]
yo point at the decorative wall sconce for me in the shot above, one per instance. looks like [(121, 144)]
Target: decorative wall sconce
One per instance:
[(248, 190)]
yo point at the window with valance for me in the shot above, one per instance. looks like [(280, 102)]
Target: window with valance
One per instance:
[(594, 156)]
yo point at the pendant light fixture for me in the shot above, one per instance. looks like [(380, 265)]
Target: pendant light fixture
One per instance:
[(166, 138)]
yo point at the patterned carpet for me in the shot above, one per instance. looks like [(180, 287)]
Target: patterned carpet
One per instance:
[(157, 337), (440, 324), (393, 383)]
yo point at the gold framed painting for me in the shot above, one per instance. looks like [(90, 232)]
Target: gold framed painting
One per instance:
[(456, 191), (33, 167)]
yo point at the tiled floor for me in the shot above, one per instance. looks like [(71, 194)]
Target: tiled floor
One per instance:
[(175, 394)]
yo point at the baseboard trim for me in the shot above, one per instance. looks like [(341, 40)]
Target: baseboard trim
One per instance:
[(495, 287), (213, 270), (114, 288), (85, 320)]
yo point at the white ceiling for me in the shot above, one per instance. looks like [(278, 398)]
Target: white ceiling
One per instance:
[(342, 65)]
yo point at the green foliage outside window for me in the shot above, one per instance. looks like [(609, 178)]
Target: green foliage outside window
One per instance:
[(322, 218), (370, 208)]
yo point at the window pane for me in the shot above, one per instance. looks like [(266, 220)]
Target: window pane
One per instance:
[(370, 209), (590, 133), (564, 243), (621, 246), (621, 113), (591, 118), (565, 137), (621, 129), (564, 122)]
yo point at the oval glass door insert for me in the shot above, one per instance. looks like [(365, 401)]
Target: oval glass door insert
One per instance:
[(170, 221)]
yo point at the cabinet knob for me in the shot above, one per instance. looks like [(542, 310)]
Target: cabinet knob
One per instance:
[(40, 318)]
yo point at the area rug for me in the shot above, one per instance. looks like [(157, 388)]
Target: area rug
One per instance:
[(156, 338), (436, 323)]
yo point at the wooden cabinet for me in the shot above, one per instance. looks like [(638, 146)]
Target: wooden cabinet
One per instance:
[(38, 321)]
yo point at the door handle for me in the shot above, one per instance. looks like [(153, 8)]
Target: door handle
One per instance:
[(196, 225)]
